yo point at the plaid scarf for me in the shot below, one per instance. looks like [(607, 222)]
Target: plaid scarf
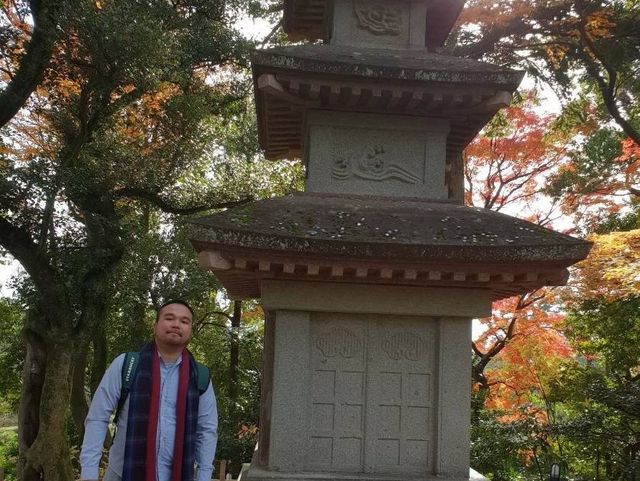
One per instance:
[(144, 404)]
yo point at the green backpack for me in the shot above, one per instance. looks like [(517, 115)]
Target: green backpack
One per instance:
[(129, 368)]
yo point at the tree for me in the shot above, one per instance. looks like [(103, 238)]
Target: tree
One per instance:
[(237, 331), (120, 112), (611, 270), (563, 40), (502, 449), (28, 32), (598, 389), (506, 168), (569, 392), (586, 51)]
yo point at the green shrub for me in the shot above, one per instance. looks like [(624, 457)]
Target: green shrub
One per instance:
[(9, 453)]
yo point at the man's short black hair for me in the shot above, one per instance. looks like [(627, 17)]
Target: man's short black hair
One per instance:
[(174, 301)]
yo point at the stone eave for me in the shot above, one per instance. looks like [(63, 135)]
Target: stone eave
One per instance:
[(241, 271), (310, 19), (290, 81), (405, 65), (564, 255), (370, 240), (382, 228)]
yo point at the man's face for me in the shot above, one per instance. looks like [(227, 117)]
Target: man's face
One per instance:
[(174, 325)]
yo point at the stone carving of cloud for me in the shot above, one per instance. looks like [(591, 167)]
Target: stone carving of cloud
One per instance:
[(405, 345), (339, 342)]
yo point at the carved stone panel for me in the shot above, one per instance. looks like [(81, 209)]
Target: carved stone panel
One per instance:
[(380, 18), (371, 163), (367, 154), (337, 394), (372, 394), (379, 23), (400, 396)]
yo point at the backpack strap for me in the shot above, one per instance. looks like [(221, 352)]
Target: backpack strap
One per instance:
[(129, 367), (203, 378)]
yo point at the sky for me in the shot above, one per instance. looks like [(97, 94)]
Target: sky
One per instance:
[(7, 270)]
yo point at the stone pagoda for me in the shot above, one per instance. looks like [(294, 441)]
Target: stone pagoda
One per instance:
[(370, 278)]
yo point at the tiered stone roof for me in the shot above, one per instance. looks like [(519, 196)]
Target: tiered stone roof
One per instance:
[(377, 240), (291, 80)]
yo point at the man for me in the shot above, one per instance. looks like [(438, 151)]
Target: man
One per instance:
[(165, 425)]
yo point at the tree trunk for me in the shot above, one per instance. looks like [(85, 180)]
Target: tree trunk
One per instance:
[(139, 332), (140, 329), (234, 355), (49, 453), (33, 376), (79, 407), (34, 61), (100, 354)]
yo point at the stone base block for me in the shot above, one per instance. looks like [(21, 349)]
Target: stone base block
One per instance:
[(257, 473)]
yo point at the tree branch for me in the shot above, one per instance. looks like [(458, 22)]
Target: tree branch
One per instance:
[(165, 205), (54, 300), (607, 89), (489, 39), (201, 325), (524, 301), (33, 62), (216, 313), (271, 34)]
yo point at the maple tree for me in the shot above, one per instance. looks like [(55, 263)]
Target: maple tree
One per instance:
[(508, 164), (597, 183), (537, 396), (611, 270), (565, 386), (599, 389), (515, 411), (563, 41), (587, 51), (560, 42), (516, 322), (506, 168)]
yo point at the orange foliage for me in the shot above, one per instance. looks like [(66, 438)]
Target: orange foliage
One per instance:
[(596, 199), (631, 158), (612, 269), (630, 152), (601, 23), (509, 162), (495, 13), (533, 352), (139, 121), (536, 346), (506, 168), (247, 430), (564, 18)]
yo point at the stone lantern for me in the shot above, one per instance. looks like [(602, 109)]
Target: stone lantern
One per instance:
[(370, 277)]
